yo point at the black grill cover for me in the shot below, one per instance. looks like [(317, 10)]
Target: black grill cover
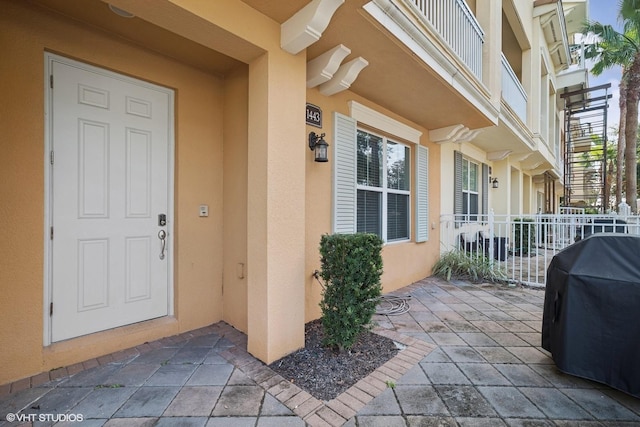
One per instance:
[(591, 319)]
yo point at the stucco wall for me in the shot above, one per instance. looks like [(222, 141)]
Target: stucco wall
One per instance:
[(27, 32), (405, 262), (235, 198)]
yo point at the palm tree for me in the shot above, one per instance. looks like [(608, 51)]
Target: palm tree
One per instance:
[(614, 48)]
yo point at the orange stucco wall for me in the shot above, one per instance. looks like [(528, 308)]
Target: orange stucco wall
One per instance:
[(240, 147), (404, 263), (27, 32)]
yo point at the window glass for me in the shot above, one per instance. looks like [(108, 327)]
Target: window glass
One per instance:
[(383, 187), (470, 189), (397, 216), (473, 177), (369, 212), (369, 159), (397, 166)]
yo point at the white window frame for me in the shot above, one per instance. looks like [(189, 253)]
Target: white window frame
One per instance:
[(385, 190), (344, 200)]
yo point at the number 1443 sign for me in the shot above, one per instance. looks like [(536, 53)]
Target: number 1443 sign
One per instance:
[(314, 115)]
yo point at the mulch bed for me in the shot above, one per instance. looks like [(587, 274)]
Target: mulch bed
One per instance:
[(325, 373)]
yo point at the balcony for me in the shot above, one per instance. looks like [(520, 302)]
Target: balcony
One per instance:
[(512, 91), (454, 22)]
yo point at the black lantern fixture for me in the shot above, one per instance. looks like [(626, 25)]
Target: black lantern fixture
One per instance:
[(495, 183), (319, 145)]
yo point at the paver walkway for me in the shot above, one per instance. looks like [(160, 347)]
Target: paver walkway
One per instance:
[(472, 358)]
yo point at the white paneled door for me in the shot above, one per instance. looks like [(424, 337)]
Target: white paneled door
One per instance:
[(110, 184)]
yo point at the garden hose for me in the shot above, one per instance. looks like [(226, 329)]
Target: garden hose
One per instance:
[(391, 305)]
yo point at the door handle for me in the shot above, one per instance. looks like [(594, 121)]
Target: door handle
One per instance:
[(162, 235)]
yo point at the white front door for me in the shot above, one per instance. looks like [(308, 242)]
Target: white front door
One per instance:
[(110, 183)]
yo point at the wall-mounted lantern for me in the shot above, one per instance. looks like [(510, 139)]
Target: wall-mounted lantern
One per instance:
[(495, 183), (319, 145)]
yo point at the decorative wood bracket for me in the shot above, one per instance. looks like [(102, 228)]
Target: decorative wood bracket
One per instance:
[(455, 133), (498, 155), (322, 68), (344, 77), (307, 25)]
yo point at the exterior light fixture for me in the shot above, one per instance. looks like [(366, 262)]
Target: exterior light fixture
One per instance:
[(319, 145), (495, 183)]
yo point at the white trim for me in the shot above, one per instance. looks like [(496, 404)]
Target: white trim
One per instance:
[(322, 68), (48, 70), (306, 26), (422, 194), (344, 197), (344, 77), (384, 123), (384, 189)]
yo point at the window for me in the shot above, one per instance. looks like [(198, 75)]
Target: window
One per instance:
[(371, 179), (383, 187), (470, 190)]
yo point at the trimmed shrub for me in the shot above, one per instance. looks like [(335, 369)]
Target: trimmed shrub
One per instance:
[(351, 270)]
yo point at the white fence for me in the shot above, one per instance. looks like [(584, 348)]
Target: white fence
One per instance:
[(524, 245)]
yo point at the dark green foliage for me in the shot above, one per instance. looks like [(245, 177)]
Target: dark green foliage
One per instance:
[(351, 270), (524, 235)]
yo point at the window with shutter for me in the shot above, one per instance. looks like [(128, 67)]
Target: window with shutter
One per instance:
[(422, 194), (470, 183), (344, 174), (372, 184)]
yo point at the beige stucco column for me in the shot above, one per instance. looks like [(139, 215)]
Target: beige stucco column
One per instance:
[(500, 196), (531, 73), (489, 14), (276, 205)]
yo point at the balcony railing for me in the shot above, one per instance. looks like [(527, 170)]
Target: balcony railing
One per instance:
[(512, 91), (455, 23)]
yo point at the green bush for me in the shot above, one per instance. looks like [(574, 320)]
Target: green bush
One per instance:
[(524, 235), (474, 267), (351, 270)]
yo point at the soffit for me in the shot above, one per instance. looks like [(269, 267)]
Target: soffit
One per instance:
[(97, 14), (394, 78)]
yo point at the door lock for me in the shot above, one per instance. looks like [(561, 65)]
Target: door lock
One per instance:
[(162, 220)]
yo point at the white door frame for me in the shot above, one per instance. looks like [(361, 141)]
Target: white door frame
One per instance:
[(50, 58)]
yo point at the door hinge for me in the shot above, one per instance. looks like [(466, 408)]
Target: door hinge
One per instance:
[(51, 81), (51, 157), (51, 233), (51, 309)]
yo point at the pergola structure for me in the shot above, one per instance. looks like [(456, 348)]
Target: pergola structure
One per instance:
[(588, 170)]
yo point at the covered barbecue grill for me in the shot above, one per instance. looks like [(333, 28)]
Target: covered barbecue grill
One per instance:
[(591, 319)]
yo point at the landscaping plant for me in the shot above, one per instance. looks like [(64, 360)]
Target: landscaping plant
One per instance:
[(351, 270), (524, 231), (474, 267)]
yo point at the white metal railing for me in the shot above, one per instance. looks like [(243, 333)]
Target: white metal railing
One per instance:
[(455, 23), (523, 246), (512, 91)]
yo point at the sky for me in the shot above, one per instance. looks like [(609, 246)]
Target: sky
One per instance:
[(606, 12)]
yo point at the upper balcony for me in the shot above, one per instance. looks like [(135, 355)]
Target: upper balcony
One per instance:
[(513, 93), (424, 57), (453, 21)]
